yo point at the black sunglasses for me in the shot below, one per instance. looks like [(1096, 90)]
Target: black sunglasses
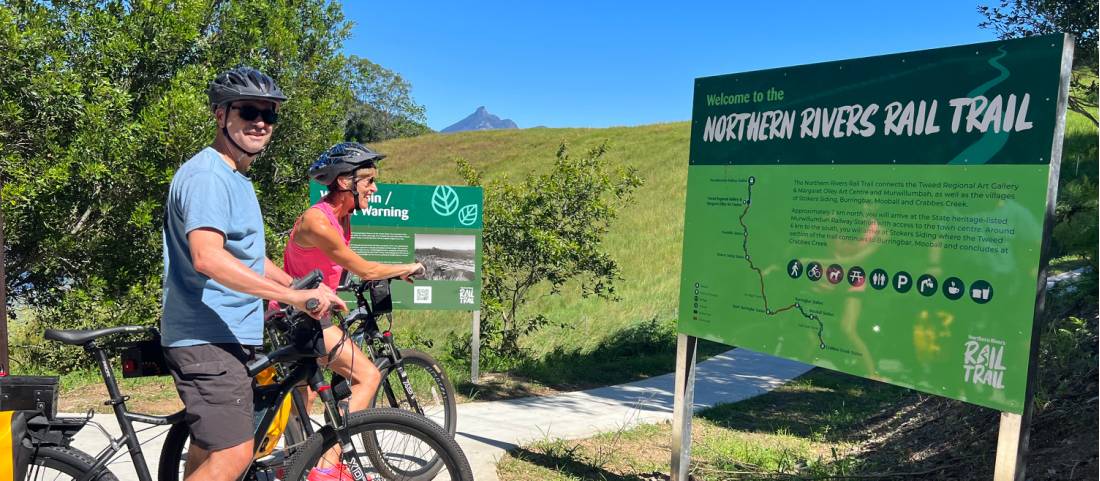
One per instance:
[(249, 113)]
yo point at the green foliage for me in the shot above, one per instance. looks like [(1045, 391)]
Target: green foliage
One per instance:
[(1025, 18), (100, 102), (1068, 352), (1075, 226), (90, 307), (547, 230), (383, 107)]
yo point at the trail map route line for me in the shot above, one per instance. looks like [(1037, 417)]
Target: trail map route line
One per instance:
[(763, 295)]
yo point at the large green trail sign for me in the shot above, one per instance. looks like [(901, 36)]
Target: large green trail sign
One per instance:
[(883, 216), (437, 225)]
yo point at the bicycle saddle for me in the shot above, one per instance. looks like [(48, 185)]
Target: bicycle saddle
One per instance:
[(80, 337)]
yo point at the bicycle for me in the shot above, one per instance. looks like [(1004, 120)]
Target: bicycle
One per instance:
[(421, 438), (411, 380)]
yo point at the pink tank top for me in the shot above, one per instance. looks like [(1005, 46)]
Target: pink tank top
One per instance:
[(299, 261)]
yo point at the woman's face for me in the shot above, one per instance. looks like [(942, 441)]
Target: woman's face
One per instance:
[(366, 186)]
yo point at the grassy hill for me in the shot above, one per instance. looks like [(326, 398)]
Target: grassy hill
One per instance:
[(645, 239)]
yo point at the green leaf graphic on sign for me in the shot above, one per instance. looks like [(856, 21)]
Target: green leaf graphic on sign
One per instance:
[(444, 200), (468, 215)]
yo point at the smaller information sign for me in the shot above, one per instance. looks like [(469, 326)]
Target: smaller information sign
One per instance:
[(436, 225)]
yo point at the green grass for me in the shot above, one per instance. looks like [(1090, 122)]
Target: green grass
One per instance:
[(810, 427), (1079, 151)]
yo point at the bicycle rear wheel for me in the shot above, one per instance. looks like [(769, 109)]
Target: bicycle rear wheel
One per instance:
[(55, 463), (417, 447)]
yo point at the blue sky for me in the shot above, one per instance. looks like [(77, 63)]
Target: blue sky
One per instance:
[(601, 63)]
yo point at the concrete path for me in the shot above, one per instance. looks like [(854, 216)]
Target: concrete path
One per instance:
[(487, 429)]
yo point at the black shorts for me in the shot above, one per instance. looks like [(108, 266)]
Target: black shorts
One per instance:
[(216, 391)]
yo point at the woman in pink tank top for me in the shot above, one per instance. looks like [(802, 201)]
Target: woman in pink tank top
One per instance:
[(320, 240)]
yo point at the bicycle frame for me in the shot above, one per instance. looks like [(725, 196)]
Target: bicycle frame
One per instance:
[(266, 400), (125, 420)]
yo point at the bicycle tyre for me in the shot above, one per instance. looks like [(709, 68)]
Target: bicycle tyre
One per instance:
[(171, 453), (72, 462), (443, 393), (417, 364), (447, 451)]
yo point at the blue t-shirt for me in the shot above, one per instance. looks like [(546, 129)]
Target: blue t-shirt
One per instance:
[(206, 192)]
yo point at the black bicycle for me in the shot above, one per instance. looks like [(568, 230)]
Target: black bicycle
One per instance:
[(412, 381), (416, 440)]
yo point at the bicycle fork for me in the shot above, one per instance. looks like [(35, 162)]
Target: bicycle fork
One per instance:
[(395, 357), (332, 411)]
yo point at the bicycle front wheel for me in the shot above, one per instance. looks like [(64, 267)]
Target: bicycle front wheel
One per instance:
[(53, 462), (428, 385), (415, 446)]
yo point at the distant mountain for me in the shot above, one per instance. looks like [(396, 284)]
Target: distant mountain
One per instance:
[(481, 119)]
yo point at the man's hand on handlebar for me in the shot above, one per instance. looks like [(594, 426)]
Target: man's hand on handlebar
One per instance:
[(325, 297)]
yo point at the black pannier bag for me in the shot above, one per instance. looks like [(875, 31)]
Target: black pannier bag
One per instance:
[(29, 393)]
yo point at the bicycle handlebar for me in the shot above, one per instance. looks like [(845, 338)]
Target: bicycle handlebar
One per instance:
[(347, 285), (309, 281)]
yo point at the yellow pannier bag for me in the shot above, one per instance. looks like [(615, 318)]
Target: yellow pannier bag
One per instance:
[(15, 451)]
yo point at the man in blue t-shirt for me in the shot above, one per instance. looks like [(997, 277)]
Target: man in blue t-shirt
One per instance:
[(216, 271)]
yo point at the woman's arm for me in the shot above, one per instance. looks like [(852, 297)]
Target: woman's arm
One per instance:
[(275, 273), (315, 231)]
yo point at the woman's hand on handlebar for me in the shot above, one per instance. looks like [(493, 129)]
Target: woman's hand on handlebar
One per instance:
[(414, 269)]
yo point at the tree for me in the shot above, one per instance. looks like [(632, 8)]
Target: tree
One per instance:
[(546, 231), (1025, 18), (101, 101), (383, 107)]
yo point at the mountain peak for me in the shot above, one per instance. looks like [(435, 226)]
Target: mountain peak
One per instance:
[(481, 119)]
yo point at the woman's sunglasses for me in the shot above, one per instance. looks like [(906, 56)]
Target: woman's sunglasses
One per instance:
[(249, 113)]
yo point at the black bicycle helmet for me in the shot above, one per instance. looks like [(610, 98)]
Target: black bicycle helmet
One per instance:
[(342, 158), (243, 83)]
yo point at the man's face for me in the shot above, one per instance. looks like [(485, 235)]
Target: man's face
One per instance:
[(253, 135)]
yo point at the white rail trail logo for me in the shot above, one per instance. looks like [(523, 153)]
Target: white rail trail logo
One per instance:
[(466, 295), (983, 362)]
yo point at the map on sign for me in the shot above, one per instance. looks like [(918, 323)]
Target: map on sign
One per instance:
[(794, 268), (881, 217)]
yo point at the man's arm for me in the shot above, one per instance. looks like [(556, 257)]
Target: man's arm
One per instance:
[(210, 258)]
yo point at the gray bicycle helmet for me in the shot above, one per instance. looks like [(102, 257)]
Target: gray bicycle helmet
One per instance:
[(343, 158), (243, 83)]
